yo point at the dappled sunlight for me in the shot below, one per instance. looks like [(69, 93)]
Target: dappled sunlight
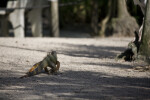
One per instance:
[(76, 84), (87, 71), (87, 37)]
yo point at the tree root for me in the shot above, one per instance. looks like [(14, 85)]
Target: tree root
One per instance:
[(142, 68)]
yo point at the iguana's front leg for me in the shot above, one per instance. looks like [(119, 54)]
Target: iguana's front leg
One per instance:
[(56, 69)]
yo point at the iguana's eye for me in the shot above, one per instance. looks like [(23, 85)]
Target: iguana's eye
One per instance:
[(53, 52)]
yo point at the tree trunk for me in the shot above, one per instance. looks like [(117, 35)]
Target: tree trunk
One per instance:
[(145, 42), (35, 18), (94, 19), (118, 21), (111, 14), (54, 18), (17, 19)]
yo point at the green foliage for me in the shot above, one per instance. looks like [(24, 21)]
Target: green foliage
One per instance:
[(74, 13), (81, 13)]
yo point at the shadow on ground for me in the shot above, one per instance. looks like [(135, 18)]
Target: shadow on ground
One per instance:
[(89, 51), (76, 84)]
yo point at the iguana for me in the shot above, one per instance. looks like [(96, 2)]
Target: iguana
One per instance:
[(49, 61), (132, 51)]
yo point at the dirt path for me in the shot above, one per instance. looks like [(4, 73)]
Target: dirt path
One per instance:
[(88, 70)]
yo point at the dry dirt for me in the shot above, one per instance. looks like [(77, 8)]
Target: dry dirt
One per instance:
[(88, 70)]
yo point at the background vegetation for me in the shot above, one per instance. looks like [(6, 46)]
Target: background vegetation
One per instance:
[(76, 15)]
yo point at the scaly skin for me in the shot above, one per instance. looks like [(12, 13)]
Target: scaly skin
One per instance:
[(49, 61), (131, 53)]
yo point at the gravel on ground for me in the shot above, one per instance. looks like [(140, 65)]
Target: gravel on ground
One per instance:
[(88, 70)]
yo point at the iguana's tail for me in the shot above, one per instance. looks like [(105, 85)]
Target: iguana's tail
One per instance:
[(32, 71), (37, 69)]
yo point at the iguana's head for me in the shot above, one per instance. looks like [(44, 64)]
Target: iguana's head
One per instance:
[(54, 53)]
